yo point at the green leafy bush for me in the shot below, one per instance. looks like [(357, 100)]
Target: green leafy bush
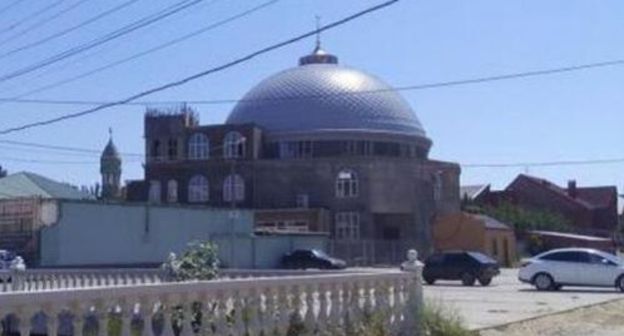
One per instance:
[(199, 262)]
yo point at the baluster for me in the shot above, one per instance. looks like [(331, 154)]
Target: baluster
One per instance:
[(309, 318), (168, 311), (52, 319), (102, 314), (25, 322), (238, 325), (187, 316), (334, 309), (284, 304), (255, 315), (396, 304), (271, 312), (147, 312), (127, 307), (221, 310), (322, 316), (77, 310), (382, 301)]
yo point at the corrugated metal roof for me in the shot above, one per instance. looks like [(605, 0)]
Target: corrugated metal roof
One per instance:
[(26, 184)]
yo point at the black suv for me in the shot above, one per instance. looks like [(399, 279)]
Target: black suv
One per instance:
[(466, 266)]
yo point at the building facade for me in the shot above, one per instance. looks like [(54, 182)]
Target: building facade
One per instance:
[(316, 136), (589, 210)]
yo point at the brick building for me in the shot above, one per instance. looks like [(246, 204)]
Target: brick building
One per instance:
[(317, 136), (590, 210)]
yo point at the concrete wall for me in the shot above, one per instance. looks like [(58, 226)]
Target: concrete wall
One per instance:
[(93, 234)]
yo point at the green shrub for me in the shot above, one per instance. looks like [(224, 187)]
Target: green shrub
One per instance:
[(199, 262)]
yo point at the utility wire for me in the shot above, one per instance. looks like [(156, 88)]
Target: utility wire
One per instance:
[(202, 73), (9, 6), (68, 30), (416, 87), (62, 148), (545, 163), (42, 22), (30, 17), (171, 10), (148, 51)]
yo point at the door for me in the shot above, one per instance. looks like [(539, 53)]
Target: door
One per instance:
[(601, 271), (567, 267)]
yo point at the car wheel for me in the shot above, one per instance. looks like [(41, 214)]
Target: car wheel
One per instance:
[(468, 279), (485, 281), (429, 281), (543, 282), (619, 283)]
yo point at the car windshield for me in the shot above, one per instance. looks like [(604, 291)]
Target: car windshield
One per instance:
[(481, 257), (320, 254)]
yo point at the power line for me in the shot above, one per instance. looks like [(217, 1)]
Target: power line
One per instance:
[(39, 161), (62, 148), (148, 51), (171, 10), (415, 87), (42, 22), (544, 163), (9, 6), (69, 30), (203, 73), (30, 17)]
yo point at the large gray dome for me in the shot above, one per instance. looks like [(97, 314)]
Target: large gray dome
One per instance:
[(324, 96)]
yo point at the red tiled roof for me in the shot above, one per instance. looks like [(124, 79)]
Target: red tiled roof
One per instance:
[(590, 197)]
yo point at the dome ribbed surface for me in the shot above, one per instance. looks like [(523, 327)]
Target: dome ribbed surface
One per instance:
[(317, 97)]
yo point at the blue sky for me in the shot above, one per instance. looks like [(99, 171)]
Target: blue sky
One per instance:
[(573, 116)]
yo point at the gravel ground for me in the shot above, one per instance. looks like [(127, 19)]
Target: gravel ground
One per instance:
[(604, 319)]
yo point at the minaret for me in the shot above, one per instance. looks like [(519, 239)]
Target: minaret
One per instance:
[(110, 168)]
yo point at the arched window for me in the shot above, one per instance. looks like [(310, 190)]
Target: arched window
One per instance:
[(172, 191), (233, 145), (154, 192), (233, 188), (347, 184), (199, 147), (198, 189)]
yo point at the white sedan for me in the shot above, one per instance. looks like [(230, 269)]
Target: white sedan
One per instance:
[(573, 267)]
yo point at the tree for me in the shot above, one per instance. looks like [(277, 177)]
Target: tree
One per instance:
[(3, 172)]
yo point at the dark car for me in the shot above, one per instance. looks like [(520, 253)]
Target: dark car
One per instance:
[(466, 266), (302, 259)]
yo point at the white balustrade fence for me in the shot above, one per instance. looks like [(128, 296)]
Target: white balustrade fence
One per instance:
[(320, 304), (50, 279)]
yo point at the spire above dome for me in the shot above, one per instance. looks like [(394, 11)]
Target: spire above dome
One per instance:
[(318, 55), (110, 151)]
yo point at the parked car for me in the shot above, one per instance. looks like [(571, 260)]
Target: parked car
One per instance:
[(467, 266), (556, 268), (302, 259)]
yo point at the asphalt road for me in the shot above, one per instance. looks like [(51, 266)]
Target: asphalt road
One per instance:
[(508, 300)]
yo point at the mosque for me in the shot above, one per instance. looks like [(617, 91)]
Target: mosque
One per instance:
[(319, 147)]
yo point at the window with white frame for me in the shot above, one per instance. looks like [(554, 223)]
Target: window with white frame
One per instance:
[(198, 189), (154, 191), (347, 184), (172, 191), (198, 147), (347, 225), (233, 145), (233, 188)]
